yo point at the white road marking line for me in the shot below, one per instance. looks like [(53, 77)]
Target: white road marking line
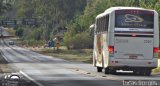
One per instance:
[(4, 56), (36, 82)]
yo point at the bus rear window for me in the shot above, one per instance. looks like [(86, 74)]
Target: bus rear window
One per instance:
[(134, 19)]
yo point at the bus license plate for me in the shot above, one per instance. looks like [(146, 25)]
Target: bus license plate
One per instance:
[(132, 57)]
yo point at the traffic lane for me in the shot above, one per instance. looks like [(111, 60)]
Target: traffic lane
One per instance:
[(100, 83), (32, 55), (45, 72), (81, 83), (61, 72), (68, 75), (57, 75), (12, 56), (18, 54)]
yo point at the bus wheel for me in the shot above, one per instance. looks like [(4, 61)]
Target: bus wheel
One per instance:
[(113, 71), (99, 69), (107, 70)]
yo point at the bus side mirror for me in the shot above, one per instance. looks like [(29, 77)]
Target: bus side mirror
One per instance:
[(92, 29)]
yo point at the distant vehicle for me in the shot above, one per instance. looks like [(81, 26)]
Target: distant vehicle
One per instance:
[(11, 42), (126, 38)]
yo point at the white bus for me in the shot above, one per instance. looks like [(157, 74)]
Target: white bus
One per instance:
[(126, 38)]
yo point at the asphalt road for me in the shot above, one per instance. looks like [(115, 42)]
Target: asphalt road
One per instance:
[(51, 71)]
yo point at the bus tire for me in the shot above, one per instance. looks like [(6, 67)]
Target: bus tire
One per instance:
[(107, 70), (113, 71), (99, 69)]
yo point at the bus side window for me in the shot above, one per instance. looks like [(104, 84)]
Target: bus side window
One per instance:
[(96, 26), (104, 24), (98, 23), (101, 26), (95, 31), (107, 22)]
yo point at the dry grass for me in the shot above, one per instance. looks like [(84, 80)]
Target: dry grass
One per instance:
[(80, 55), (4, 68), (11, 31)]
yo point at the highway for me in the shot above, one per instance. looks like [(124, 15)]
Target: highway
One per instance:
[(52, 71)]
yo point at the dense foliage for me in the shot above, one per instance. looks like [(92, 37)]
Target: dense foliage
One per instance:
[(51, 15), (5, 6)]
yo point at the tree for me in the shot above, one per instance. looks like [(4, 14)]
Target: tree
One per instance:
[(19, 32), (50, 13)]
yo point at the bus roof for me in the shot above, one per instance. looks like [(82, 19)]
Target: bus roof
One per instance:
[(111, 9)]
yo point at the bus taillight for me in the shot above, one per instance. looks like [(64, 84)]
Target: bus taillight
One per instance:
[(111, 49), (134, 35), (155, 49)]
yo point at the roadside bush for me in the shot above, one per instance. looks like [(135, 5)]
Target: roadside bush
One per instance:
[(19, 32), (79, 41)]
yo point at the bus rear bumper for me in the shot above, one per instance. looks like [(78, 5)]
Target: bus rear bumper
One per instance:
[(130, 63), (130, 68)]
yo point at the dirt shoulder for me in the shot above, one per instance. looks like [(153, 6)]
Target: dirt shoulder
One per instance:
[(4, 68)]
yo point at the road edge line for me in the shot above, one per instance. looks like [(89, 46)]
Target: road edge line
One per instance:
[(2, 54), (36, 82)]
